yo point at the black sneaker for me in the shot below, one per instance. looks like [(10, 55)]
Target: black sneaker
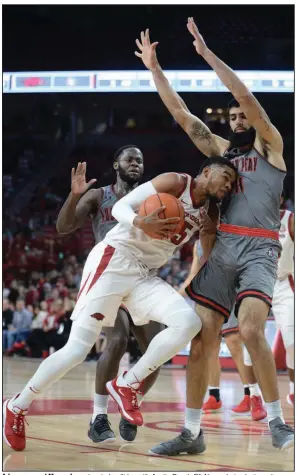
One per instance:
[(282, 434), (128, 431), (100, 430)]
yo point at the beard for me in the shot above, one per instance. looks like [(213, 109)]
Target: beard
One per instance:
[(127, 178), (242, 139)]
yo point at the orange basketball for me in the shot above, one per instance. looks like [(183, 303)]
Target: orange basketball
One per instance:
[(173, 209)]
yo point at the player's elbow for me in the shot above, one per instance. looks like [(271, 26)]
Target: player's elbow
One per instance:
[(63, 229)]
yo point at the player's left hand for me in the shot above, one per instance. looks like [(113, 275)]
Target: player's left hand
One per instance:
[(199, 42), (207, 225), (147, 51)]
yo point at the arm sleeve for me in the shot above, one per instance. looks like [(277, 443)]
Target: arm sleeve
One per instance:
[(123, 210)]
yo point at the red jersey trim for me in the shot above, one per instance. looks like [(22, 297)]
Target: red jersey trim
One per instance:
[(245, 231)]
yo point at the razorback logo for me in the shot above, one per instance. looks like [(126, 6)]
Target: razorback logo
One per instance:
[(98, 316)]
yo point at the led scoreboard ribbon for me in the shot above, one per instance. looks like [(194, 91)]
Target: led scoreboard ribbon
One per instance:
[(140, 81)]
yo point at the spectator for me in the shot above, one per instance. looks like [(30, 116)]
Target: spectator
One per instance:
[(51, 325), (7, 315), (41, 315), (21, 324), (14, 293), (36, 342)]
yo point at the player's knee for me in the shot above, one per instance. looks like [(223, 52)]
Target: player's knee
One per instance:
[(196, 349), (190, 322), (75, 352), (251, 333), (117, 345), (234, 342), (203, 344)]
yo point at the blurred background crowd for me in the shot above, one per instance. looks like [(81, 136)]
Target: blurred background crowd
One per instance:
[(44, 135)]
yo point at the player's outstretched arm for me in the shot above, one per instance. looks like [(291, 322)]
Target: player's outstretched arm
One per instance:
[(209, 222), (199, 133), (207, 235), (195, 268), (80, 202), (254, 112)]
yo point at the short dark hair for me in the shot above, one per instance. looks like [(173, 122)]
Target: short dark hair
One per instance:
[(233, 103), (121, 150), (219, 161)]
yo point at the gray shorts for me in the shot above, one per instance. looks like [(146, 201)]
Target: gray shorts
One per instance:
[(238, 267), (231, 326)]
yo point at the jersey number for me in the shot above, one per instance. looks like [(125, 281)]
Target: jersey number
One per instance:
[(239, 185), (183, 234)]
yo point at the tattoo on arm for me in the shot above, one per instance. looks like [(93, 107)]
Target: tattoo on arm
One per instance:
[(264, 118), (201, 132)]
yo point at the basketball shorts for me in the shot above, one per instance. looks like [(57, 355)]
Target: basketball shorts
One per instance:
[(231, 326), (283, 309), (111, 279), (238, 267)]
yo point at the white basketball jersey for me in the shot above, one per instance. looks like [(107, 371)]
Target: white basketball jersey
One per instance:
[(286, 260), (154, 253)]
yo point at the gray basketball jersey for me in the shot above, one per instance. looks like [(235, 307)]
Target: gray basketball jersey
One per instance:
[(255, 202), (103, 221)]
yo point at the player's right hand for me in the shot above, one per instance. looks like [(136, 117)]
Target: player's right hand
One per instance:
[(147, 51), (78, 180), (153, 224)]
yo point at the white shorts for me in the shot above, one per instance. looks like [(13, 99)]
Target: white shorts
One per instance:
[(110, 279), (283, 310)]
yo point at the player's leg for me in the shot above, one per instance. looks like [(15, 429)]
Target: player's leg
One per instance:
[(154, 300), (144, 335), (252, 402), (191, 439), (107, 367), (283, 310), (254, 304), (213, 290), (51, 370), (94, 303), (258, 411), (214, 403)]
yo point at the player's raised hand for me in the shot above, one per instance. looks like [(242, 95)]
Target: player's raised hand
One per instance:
[(78, 180), (147, 50), (199, 42)]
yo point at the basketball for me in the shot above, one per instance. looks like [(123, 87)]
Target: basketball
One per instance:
[(173, 209)]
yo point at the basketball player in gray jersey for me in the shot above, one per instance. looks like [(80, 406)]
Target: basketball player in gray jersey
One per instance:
[(243, 263), (97, 204)]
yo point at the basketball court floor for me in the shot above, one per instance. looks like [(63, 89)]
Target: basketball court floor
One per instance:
[(58, 424)]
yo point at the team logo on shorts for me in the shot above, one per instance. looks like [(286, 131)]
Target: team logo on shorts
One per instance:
[(272, 253), (98, 316)]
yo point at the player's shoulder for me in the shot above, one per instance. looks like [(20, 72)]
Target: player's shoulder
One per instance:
[(95, 193)]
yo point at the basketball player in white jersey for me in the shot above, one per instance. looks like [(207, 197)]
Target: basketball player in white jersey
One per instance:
[(246, 242), (283, 296), (81, 204), (122, 270)]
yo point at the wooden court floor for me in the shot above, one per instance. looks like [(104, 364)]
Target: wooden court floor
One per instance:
[(58, 423)]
